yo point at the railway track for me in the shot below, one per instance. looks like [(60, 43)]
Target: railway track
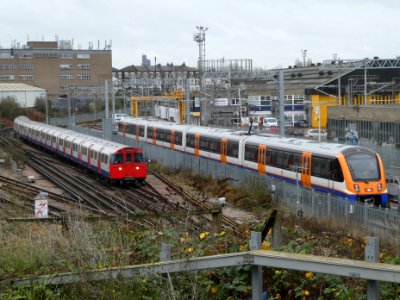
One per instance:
[(112, 200)]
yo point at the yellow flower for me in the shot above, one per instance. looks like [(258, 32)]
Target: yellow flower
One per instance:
[(309, 275), (189, 250), (306, 293), (214, 290), (182, 239), (222, 233), (203, 235), (278, 296)]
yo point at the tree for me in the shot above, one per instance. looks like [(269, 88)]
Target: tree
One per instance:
[(40, 105), (10, 108)]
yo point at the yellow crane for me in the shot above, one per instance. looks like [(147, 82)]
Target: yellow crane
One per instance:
[(178, 96)]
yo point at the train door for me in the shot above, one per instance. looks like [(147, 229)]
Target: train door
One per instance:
[(124, 125), (306, 169), (262, 158), (154, 135), (172, 139), (224, 149), (72, 149), (99, 160), (89, 155), (80, 152), (197, 144), (137, 132)]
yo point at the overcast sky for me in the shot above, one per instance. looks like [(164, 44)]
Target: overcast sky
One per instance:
[(271, 33)]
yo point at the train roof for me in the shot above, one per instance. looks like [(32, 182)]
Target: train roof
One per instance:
[(294, 144), (69, 135)]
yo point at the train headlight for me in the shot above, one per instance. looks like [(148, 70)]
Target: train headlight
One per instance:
[(137, 168), (379, 187), (356, 188), (120, 168)]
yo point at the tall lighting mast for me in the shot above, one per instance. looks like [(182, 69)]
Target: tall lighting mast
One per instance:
[(200, 39)]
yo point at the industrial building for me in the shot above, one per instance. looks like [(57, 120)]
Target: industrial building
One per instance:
[(24, 94), (55, 66)]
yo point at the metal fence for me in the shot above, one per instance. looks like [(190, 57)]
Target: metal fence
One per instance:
[(365, 220)]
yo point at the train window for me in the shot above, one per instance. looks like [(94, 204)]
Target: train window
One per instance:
[(214, 145), (320, 167), (141, 131), (60, 142), (204, 143), (75, 147), (128, 157), (178, 138), (190, 140), (139, 157), (336, 171), (233, 149), (149, 132), (117, 158), (84, 150), (251, 153), (95, 155), (363, 166)]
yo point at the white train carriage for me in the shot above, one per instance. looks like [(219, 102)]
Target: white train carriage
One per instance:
[(112, 160), (353, 172)]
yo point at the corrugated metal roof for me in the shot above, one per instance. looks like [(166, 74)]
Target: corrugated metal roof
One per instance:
[(15, 87)]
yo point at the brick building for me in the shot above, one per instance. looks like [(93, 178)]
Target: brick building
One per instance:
[(54, 66)]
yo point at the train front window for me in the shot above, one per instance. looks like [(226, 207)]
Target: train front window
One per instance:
[(117, 158), (363, 166), (139, 157)]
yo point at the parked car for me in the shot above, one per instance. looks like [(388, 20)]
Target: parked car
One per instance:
[(270, 122), (300, 124), (315, 133)]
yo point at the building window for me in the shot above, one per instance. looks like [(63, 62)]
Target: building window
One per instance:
[(66, 77), (6, 55), (26, 77), (235, 101), (84, 77), (26, 67), (66, 56), (84, 67), (7, 77), (26, 56), (6, 67), (63, 87), (45, 55), (66, 67), (83, 56)]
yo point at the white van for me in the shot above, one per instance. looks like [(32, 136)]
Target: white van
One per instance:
[(118, 117), (270, 122)]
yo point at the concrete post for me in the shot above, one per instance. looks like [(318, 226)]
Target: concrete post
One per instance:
[(372, 255), (256, 271)]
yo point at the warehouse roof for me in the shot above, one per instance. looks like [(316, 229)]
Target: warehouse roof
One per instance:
[(16, 87)]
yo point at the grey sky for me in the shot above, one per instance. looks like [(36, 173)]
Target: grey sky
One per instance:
[(272, 33)]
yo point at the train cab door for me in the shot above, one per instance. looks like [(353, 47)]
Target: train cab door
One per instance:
[(224, 149), (262, 158), (197, 144), (306, 169), (172, 141)]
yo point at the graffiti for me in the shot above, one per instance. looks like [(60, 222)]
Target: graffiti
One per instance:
[(351, 134)]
